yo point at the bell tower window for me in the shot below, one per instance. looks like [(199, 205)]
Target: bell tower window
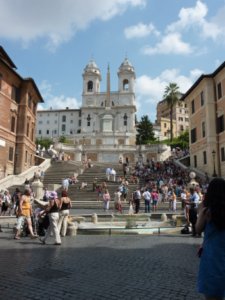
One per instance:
[(90, 86), (88, 120), (125, 85)]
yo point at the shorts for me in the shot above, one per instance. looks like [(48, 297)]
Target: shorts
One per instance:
[(20, 221)]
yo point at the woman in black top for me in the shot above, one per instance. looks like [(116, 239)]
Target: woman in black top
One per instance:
[(53, 213), (64, 213)]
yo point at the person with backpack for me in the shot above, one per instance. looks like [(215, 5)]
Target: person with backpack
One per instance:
[(137, 199)]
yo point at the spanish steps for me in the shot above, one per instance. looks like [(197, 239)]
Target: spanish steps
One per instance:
[(86, 198)]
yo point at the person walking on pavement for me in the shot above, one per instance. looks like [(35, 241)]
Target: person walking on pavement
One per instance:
[(65, 206), (24, 213), (53, 213)]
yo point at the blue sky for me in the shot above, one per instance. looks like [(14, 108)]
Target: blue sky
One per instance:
[(165, 40)]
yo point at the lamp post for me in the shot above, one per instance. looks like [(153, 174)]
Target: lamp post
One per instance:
[(214, 165)]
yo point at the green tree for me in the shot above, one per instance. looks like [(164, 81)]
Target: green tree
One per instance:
[(145, 132), (44, 142), (181, 141), (171, 95), (62, 139)]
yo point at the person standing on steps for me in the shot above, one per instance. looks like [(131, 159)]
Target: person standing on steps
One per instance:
[(193, 202), (137, 199), (147, 198), (53, 213), (106, 199), (117, 201)]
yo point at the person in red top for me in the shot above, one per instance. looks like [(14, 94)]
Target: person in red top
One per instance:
[(155, 198)]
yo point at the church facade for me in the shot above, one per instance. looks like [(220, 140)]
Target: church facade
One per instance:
[(104, 127)]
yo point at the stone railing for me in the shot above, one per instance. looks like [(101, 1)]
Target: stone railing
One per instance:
[(28, 174)]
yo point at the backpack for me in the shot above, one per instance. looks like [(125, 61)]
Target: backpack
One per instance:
[(124, 191)]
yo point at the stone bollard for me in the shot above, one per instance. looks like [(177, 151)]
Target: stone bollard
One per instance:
[(130, 222), (37, 187), (163, 217), (94, 218), (174, 219), (72, 229)]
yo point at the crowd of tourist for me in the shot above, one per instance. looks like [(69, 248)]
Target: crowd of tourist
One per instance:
[(157, 182)]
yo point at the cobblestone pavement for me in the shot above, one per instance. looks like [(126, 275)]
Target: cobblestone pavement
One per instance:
[(99, 267)]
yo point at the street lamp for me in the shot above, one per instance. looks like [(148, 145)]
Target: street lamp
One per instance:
[(214, 166)]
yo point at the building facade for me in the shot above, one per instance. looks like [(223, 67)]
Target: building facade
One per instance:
[(180, 118), (105, 122), (19, 98), (206, 103), (60, 122)]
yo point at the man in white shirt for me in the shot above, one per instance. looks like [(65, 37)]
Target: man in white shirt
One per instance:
[(113, 174), (147, 197), (107, 173)]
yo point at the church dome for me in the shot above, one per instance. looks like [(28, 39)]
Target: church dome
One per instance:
[(92, 67), (126, 66)]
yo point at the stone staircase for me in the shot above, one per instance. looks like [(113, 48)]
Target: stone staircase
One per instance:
[(87, 198)]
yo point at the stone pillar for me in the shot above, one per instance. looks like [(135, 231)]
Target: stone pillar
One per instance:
[(163, 217), (37, 187), (94, 218), (72, 229)]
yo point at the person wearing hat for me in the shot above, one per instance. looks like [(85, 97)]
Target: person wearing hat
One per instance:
[(53, 213)]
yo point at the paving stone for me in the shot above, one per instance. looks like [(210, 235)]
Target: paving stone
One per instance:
[(99, 267)]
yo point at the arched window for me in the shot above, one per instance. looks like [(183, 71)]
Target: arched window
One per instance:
[(125, 85), (125, 117), (88, 120), (90, 86)]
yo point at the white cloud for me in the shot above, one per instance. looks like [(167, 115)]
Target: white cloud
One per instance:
[(55, 20), (56, 102), (189, 17), (195, 18), (150, 90), (170, 44), (140, 30)]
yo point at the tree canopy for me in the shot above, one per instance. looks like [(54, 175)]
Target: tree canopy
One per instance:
[(145, 132)]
